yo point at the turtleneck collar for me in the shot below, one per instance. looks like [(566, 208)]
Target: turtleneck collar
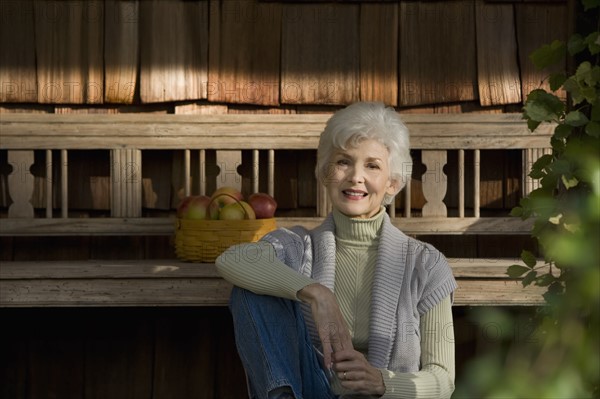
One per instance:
[(356, 229)]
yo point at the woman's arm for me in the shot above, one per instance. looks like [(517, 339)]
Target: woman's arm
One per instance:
[(256, 268), (436, 377)]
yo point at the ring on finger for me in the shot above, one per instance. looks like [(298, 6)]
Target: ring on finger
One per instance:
[(344, 376)]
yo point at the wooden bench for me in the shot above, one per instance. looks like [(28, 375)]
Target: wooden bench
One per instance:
[(168, 282)]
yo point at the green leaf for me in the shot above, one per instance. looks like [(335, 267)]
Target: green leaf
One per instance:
[(561, 167), (548, 54), (558, 145), (556, 219), (537, 174), (532, 125), (573, 87), (542, 106), (562, 131), (576, 118), (589, 4), (529, 258), (516, 211), (516, 271), (545, 280), (593, 42), (593, 129), (556, 288), (589, 94), (542, 161), (595, 112), (583, 70), (576, 44), (556, 80), (528, 279), (569, 182)]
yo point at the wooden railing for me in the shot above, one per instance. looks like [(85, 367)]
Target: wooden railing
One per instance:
[(127, 137)]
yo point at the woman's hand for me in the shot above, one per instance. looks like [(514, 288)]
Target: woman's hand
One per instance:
[(357, 374), (331, 326)]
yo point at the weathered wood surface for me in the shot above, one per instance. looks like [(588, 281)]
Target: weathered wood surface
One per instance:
[(245, 52), (320, 54), (497, 64), (18, 78), (121, 50), (536, 26), (438, 62), (174, 52), (379, 53), (69, 42), (173, 283), (291, 131), (166, 226)]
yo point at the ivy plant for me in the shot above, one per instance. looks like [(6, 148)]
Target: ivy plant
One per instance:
[(565, 206), (566, 214), (561, 356)]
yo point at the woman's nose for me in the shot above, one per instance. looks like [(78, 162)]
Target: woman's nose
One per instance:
[(356, 175)]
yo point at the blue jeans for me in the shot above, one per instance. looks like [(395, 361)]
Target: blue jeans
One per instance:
[(275, 347)]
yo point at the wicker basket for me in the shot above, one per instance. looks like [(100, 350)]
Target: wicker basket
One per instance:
[(205, 240)]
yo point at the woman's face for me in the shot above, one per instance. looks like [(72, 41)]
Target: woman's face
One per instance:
[(359, 178)]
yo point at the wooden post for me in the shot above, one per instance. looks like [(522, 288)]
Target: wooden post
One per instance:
[(255, 171), (49, 191), (202, 172), (461, 183), (126, 183), (271, 173), (64, 183), (187, 171), (476, 183), (407, 198)]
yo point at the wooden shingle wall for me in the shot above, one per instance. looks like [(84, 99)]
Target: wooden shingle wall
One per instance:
[(273, 53), (244, 56)]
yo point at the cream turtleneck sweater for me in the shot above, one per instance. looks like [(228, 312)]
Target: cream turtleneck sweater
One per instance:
[(356, 243)]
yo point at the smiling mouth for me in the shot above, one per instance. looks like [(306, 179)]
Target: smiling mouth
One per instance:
[(354, 194)]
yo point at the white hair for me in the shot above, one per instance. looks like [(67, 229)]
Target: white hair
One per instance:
[(367, 120)]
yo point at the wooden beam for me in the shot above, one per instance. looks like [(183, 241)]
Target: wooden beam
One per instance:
[(166, 226), (482, 282)]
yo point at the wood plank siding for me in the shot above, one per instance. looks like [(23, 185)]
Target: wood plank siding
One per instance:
[(405, 53)]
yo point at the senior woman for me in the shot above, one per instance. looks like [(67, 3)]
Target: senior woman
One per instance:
[(353, 308)]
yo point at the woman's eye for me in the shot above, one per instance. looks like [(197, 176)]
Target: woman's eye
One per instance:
[(372, 166), (342, 162)]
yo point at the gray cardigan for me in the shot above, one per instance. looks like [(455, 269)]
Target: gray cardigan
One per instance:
[(411, 277)]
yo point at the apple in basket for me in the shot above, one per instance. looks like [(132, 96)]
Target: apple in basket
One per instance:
[(222, 197), (237, 211), (194, 207), (263, 204)]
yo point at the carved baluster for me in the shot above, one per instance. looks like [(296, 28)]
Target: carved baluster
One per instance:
[(435, 183), (20, 184), (228, 162)]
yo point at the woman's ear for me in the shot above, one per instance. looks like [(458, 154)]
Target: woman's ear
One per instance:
[(394, 187)]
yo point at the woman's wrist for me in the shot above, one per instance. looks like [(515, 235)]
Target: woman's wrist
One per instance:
[(313, 293)]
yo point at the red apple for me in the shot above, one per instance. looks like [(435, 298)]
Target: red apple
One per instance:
[(263, 204), (237, 211), (183, 206), (195, 208), (221, 197)]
